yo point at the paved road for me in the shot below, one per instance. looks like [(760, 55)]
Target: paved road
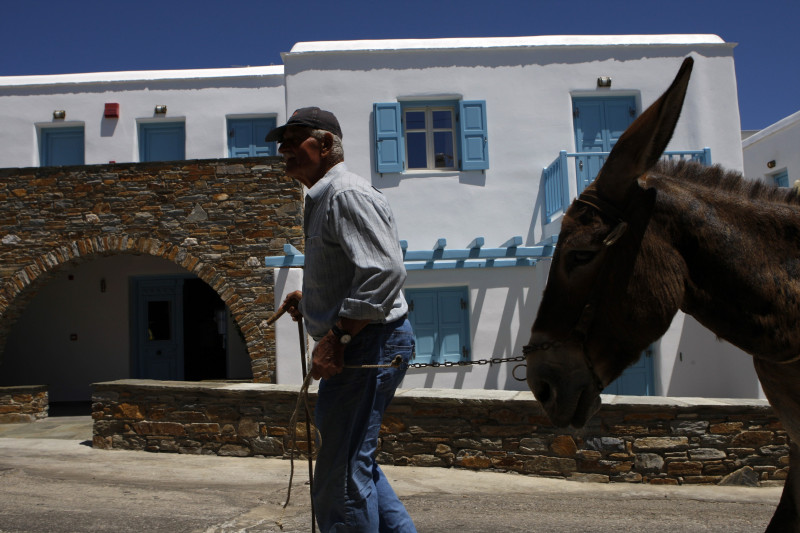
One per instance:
[(51, 480)]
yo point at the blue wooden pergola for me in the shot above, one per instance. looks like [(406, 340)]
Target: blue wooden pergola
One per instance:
[(475, 255)]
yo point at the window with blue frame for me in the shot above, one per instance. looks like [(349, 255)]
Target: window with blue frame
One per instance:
[(162, 141), (440, 318), (781, 179), (61, 146), (435, 135), (246, 137)]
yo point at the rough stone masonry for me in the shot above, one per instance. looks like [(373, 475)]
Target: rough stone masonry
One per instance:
[(217, 219), (632, 439)]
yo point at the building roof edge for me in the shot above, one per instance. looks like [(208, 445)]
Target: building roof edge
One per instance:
[(503, 42), (140, 75), (772, 129)]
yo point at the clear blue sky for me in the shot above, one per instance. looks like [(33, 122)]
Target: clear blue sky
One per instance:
[(67, 36)]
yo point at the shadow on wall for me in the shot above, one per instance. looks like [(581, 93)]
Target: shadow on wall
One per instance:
[(502, 305), (522, 293)]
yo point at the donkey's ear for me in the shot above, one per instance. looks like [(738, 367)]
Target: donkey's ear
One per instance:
[(642, 144)]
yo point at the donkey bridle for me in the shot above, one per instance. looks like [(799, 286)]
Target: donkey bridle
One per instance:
[(580, 330)]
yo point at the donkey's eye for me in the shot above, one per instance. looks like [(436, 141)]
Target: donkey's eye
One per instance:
[(581, 257)]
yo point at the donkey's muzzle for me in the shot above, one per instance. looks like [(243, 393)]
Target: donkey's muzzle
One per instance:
[(563, 384)]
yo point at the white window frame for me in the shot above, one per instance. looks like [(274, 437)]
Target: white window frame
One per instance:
[(430, 132)]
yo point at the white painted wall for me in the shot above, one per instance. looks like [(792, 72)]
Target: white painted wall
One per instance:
[(778, 142), (691, 361), (287, 336), (203, 100), (528, 92)]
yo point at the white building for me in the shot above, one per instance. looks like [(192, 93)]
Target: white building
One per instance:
[(772, 155), (114, 114), (456, 133), (540, 95)]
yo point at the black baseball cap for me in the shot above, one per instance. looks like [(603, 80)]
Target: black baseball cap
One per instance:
[(309, 117)]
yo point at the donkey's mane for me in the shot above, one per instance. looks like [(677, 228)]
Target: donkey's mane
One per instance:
[(727, 181)]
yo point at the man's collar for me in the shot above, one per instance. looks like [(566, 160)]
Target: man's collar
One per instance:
[(316, 190)]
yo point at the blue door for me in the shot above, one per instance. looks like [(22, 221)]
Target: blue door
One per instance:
[(246, 137), (440, 318), (637, 380), (157, 334), (598, 124), (162, 141), (61, 146)]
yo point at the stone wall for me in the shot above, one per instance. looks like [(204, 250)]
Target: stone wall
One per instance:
[(217, 219), (631, 439), (23, 404)]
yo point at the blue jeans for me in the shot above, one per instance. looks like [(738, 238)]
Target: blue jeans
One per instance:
[(351, 494)]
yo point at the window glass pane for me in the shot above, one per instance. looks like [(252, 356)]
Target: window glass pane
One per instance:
[(415, 120), (443, 148), (158, 321), (417, 154), (442, 119)]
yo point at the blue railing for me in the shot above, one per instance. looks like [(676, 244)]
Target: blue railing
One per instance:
[(587, 165)]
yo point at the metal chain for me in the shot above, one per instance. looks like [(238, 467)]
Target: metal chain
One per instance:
[(448, 364)]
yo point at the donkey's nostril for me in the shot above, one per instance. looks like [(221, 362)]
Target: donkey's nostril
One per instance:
[(543, 392)]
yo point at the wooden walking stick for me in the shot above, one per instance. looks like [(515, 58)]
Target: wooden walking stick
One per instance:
[(301, 334), (309, 443)]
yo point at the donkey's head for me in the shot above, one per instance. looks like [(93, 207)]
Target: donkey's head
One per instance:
[(599, 310)]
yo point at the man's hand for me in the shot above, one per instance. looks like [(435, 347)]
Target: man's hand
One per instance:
[(327, 360), (291, 304)]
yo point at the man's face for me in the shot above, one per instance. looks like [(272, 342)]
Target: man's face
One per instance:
[(303, 155)]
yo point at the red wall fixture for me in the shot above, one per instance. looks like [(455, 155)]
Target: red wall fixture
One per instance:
[(112, 111)]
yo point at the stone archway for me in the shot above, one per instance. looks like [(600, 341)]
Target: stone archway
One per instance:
[(216, 219)]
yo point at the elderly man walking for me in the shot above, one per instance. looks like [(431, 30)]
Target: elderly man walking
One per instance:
[(352, 305)]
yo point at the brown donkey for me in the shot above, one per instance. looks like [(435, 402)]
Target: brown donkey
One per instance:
[(648, 238)]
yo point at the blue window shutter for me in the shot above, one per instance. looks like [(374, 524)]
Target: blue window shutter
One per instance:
[(453, 318), (423, 316), (440, 319), (389, 150), (261, 147), (240, 138), (474, 135), (246, 137)]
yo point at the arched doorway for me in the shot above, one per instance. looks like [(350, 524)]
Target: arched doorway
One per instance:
[(78, 329)]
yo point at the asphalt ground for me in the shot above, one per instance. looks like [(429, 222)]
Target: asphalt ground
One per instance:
[(51, 480)]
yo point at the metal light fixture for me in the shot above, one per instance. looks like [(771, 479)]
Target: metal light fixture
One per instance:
[(59, 113), (771, 164), (604, 81), (161, 110)]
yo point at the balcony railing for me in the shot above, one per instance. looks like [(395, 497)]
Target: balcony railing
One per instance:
[(587, 165)]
